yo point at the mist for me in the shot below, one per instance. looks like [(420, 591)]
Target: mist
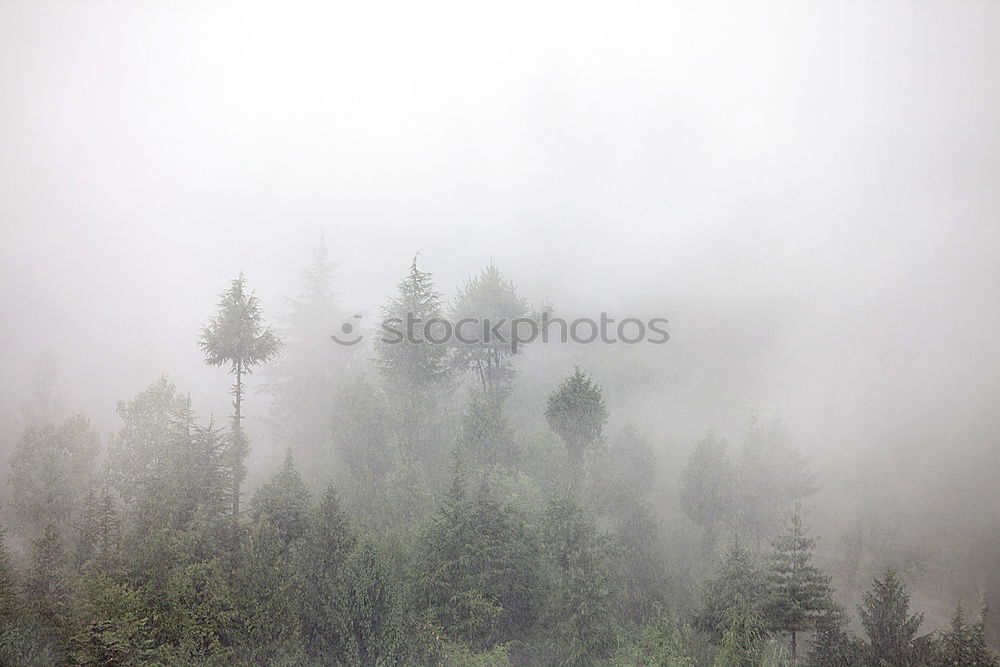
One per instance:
[(809, 194)]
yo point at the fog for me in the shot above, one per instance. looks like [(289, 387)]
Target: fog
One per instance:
[(810, 194)]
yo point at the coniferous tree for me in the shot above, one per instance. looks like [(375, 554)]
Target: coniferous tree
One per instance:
[(479, 566), (283, 502), (579, 616), (576, 412), (834, 647), (412, 356), (374, 622), (964, 644), (237, 337), (323, 581), (737, 582), (47, 585), (100, 525), (491, 304), (307, 375), (51, 470), (800, 598), (772, 476), (707, 493), (887, 622), (265, 599)]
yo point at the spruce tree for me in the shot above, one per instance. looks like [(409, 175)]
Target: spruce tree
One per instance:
[(322, 581), (237, 337), (887, 622), (491, 302), (737, 581), (707, 488), (283, 501), (964, 644), (800, 598), (374, 634), (577, 413)]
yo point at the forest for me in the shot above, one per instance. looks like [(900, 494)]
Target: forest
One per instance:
[(410, 516)]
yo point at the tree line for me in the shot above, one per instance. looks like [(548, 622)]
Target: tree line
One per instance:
[(412, 522)]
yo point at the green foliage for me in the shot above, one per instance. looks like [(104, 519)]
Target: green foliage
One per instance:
[(887, 622), (743, 634), (656, 643), (236, 336), (964, 644), (374, 633), (738, 582), (323, 581), (265, 600), (576, 412), (707, 479), (579, 615), (305, 378), (117, 629), (833, 647), (799, 595), (489, 297), (50, 471), (479, 567), (283, 502)]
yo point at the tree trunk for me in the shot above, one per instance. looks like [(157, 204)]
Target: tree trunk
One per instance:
[(237, 444)]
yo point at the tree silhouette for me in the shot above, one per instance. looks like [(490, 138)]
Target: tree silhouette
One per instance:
[(236, 336)]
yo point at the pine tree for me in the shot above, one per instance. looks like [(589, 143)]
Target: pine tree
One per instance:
[(413, 361), (100, 524), (283, 502), (964, 644), (771, 477), (886, 619), (374, 626), (305, 377), (47, 585), (50, 471), (576, 412), (236, 336), (834, 647), (738, 581), (579, 618), (265, 600), (799, 598), (707, 493), (323, 582), (479, 567), (492, 305)]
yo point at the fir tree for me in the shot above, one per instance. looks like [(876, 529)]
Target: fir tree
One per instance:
[(373, 629), (576, 412), (283, 502), (799, 595), (886, 619), (236, 336), (707, 493), (323, 581), (491, 302), (738, 581)]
